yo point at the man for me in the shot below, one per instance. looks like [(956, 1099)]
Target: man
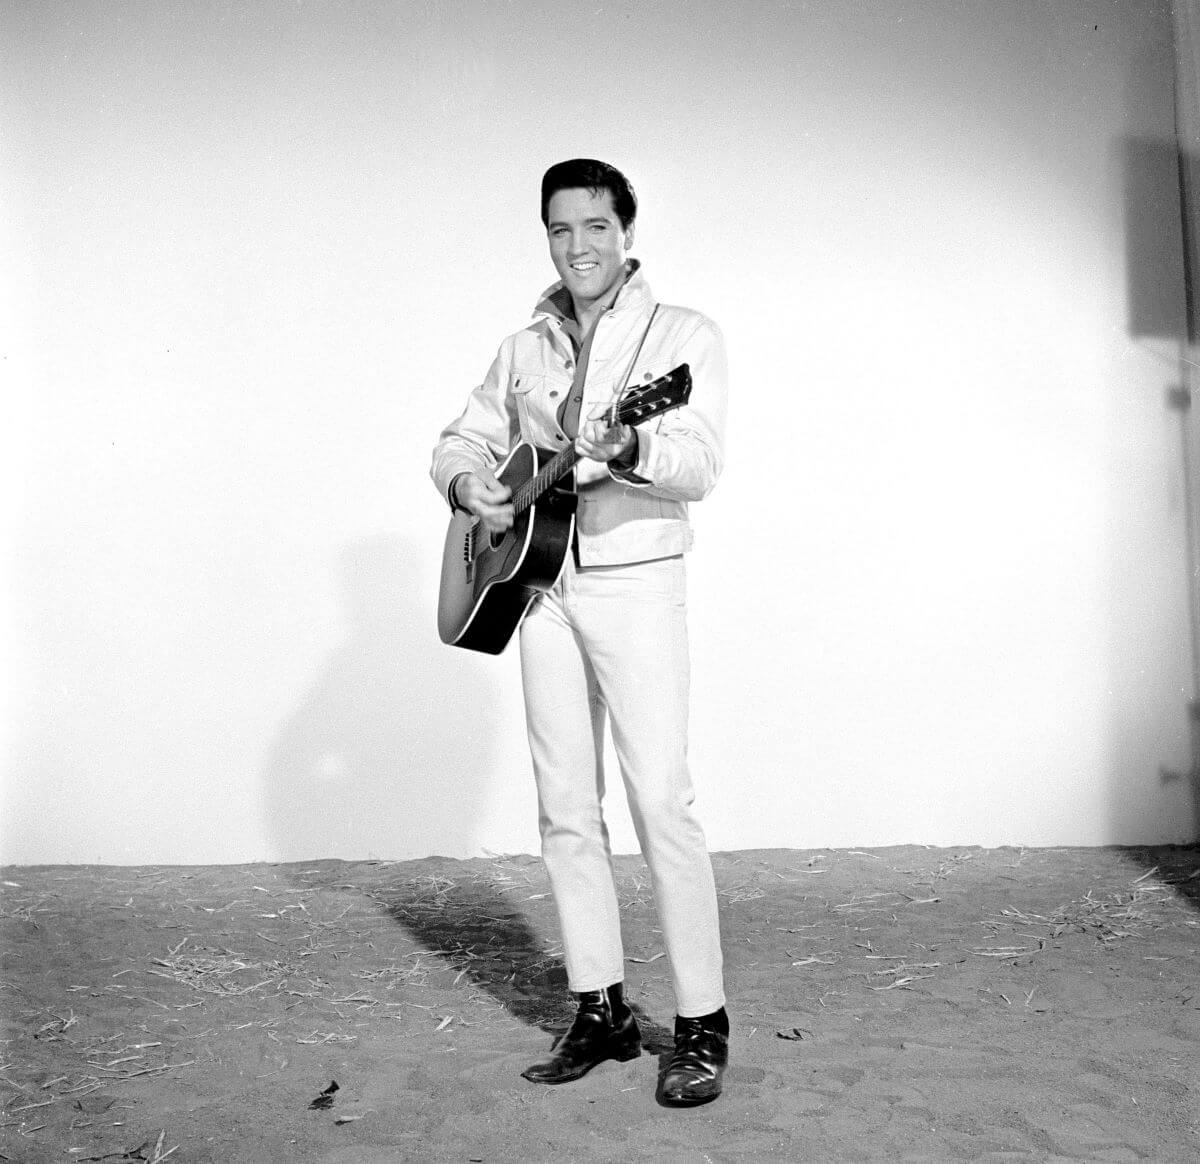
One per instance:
[(610, 638)]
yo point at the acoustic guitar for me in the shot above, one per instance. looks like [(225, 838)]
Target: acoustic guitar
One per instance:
[(489, 580)]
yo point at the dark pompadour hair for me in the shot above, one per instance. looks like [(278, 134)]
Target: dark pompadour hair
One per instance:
[(589, 174)]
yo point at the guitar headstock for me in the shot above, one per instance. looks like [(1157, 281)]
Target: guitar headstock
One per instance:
[(642, 401)]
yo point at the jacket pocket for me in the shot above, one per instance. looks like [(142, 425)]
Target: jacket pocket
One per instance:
[(522, 383), (527, 406)]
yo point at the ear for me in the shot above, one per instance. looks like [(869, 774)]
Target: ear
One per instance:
[(629, 235)]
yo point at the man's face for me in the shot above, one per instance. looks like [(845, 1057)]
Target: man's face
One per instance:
[(587, 243)]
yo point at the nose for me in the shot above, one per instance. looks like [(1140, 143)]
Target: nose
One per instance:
[(578, 243)]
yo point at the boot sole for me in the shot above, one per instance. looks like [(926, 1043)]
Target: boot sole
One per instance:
[(670, 1101), (617, 1055), (712, 1090)]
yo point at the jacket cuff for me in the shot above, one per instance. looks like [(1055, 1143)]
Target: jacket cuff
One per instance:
[(454, 506), (631, 476)]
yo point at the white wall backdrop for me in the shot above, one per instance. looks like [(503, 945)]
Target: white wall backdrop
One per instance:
[(258, 254)]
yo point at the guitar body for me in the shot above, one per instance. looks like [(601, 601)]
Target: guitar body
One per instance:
[(488, 583)]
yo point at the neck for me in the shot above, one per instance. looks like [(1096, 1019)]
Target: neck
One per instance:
[(553, 471), (586, 314)]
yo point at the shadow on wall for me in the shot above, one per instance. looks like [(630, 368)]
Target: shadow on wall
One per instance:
[(375, 761), (1161, 213), (1161, 219)]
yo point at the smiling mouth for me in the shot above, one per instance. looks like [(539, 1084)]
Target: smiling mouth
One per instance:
[(583, 268)]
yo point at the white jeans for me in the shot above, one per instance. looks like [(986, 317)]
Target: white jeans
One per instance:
[(615, 638)]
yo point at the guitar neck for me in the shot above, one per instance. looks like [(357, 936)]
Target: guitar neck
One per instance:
[(553, 471)]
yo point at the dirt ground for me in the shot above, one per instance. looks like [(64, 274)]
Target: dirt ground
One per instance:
[(892, 1004)]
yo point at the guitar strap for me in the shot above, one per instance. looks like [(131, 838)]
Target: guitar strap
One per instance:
[(633, 362), (569, 413)]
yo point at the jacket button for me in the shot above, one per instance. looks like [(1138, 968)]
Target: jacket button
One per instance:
[(553, 391)]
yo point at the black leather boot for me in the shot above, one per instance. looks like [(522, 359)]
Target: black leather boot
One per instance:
[(694, 1071), (604, 1028)]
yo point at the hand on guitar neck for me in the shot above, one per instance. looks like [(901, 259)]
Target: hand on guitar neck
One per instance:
[(605, 439), (482, 496)]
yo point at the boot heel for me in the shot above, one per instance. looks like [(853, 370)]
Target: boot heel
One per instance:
[(593, 1037)]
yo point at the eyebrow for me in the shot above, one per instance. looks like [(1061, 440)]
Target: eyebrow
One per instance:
[(586, 222)]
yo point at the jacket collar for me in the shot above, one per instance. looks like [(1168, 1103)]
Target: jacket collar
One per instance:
[(555, 302)]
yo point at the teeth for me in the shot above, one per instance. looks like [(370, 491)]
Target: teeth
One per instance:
[(583, 266)]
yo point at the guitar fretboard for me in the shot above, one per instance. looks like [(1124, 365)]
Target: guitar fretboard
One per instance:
[(553, 471)]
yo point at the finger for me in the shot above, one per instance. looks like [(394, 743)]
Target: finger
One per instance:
[(598, 433)]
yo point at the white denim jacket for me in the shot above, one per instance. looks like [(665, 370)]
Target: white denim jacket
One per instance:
[(621, 518)]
